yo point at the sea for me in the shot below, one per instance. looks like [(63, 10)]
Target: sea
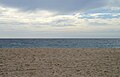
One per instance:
[(61, 43)]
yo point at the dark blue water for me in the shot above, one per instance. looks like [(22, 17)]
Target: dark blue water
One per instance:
[(59, 43)]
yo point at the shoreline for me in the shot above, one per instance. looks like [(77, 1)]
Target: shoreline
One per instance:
[(55, 48)]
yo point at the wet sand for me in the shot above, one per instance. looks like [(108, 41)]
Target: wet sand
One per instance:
[(59, 62)]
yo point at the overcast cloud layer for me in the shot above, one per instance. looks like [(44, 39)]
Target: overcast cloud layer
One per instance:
[(56, 5), (59, 18)]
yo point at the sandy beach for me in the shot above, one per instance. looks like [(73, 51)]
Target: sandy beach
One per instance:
[(59, 62)]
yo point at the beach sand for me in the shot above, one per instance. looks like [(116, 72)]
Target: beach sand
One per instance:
[(59, 62)]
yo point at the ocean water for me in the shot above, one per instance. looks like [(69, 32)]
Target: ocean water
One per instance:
[(59, 43)]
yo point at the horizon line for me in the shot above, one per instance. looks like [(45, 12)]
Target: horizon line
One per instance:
[(59, 38)]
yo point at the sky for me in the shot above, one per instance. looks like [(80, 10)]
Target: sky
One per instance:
[(59, 18)]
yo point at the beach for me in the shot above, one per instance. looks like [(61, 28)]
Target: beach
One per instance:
[(59, 62)]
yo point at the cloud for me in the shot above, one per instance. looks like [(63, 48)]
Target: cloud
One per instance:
[(101, 15), (55, 5), (115, 3), (16, 20), (59, 18)]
